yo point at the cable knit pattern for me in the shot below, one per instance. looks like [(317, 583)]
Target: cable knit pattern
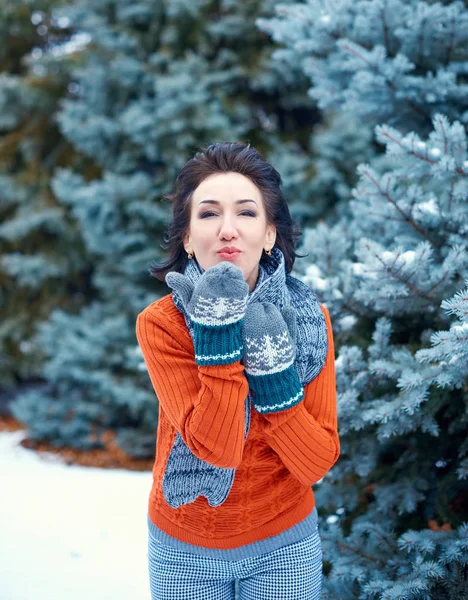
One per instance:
[(284, 454)]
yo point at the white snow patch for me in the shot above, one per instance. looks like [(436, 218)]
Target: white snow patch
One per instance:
[(430, 207), (70, 531), (314, 278), (347, 322)]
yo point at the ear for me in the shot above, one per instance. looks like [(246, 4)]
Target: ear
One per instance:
[(271, 235), (187, 242)]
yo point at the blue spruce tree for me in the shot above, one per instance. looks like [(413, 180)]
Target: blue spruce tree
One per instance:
[(391, 265), (153, 82), (42, 257)]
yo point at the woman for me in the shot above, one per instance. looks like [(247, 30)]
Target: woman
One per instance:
[(241, 358)]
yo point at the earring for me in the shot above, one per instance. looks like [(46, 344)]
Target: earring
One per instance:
[(190, 254), (268, 252)]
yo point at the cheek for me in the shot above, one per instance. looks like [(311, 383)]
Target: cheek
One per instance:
[(256, 236), (206, 238)]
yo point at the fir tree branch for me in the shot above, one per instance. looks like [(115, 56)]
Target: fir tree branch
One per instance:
[(353, 550), (421, 39), (406, 217), (357, 551), (405, 282), (451, 39), (450, 197), (417, 155), (385, 32), (389, 84), (437, 283)]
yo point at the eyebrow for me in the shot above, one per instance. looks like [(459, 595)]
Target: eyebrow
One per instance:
[(237, 201)]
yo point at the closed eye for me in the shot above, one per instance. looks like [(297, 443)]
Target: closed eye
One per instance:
[(249, 213)]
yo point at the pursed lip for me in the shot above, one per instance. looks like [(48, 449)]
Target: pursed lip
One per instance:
[(229, 250)]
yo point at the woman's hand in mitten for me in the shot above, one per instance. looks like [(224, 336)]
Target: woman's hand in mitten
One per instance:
[(216, 305), (269, 351)]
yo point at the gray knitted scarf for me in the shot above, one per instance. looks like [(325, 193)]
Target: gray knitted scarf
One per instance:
[(186, 476)]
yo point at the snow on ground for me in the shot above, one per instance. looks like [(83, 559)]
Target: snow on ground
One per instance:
[(70, 532)]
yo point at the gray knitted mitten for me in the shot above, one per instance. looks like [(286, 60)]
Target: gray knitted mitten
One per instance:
[(216, 305), (269, 354)]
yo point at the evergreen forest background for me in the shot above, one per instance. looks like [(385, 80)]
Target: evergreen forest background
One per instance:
[(362, 106)]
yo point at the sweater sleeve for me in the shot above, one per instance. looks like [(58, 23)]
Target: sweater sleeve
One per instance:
[(205, 404), (306, 435)]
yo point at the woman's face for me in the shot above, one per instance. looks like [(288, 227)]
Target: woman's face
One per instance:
[(227, 210)]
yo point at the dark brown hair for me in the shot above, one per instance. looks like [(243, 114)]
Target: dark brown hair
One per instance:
[(224, 157)]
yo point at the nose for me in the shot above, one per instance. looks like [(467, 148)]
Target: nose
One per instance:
[(228, 229)]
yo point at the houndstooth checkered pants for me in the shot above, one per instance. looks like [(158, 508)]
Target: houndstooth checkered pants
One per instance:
[(293, 572)]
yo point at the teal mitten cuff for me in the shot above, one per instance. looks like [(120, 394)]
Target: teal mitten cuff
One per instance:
[(269, 337), (218, 345), (276, 392)]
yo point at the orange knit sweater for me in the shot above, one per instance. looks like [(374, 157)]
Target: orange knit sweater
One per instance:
[(283, 455)]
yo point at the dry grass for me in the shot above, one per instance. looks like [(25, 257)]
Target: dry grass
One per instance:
[(110, 457)]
